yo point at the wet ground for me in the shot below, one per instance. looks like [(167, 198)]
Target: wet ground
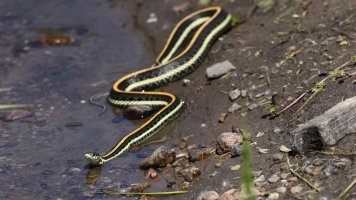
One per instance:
[(41, 157)]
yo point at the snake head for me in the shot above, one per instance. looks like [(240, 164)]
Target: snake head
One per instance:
[(94, 159)]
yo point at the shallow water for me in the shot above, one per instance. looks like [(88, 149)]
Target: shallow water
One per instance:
[(41, 157)]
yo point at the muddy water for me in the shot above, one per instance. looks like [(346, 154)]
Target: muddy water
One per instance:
[(41, 157)]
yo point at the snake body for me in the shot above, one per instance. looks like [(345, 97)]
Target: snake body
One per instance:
[(186, 48)]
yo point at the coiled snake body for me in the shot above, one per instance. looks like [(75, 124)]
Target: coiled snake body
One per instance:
[(186, 48)]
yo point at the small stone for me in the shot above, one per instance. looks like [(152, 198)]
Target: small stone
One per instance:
[(138, 112), (277, 157), (293, 179), (219, 69), (159, 158), (226, 140), (256, 173), (185, 185), (171, 182), (308, 170), (208, 195), (259, 181), (152, 18), (243, 93), (274, 178), (281, 190), (234, 107), (222, 117), (277, 130), (259, 134), (200, 154), (273, 196), (296, 189), (236, 150), (189, 173), (262, 151), (329, 169), (186, 82), (230, 195), (75, 169), (259, 95), (234, 94), (284, 175), (252, 106), (151, 173)]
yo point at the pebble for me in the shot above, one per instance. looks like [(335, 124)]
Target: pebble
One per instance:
[(138, 112), (16, 114), (236, 150), (188, 173), (274, 178), (186, 82), (200, 154), (243, 93), (281, 189), (259, 95), (75, 169), (234, 107), (226, 140), (208, 195), (308, 170), (284, 175), (185, 185), (219, 69), (259, 181), (159, 158), (151, 173), (259, 134), (256, 173), (273, 196), (234, 94), (329, 169), (296, 189), (222, 117), (277, 130), (152, 18), (277, 157), (231, 194), (252, 106)]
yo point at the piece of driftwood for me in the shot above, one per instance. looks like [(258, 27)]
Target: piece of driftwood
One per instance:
[(326, 129)]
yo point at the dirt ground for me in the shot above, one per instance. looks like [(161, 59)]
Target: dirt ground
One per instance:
[(323, 31)]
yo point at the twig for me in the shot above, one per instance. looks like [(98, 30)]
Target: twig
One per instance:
[(347, 63), (347, 189), (102, 105), (111, 192), (293, 103), (11, 106), (301, 177)]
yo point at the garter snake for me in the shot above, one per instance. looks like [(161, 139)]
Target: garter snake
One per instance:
[(186, 48)]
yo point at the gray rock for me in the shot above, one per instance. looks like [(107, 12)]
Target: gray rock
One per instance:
[(219, 69), (236, 150), (234, 107), (159, 158), (252, 106), (277, 130), (259, 181), (277, 157), (325, 130), (208, 195), (188, 173), (243, 93), (200, 154), (226, 140), (234, 94), (274, 178)]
